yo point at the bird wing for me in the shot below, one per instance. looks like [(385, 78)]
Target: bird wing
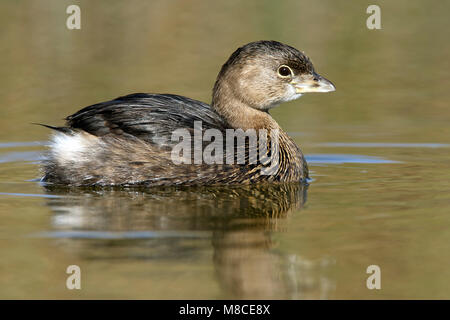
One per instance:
[(149, 117)]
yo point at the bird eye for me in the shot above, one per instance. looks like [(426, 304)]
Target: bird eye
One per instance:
[(284, 71)]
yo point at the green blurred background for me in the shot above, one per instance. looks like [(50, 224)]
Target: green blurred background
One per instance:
[(391, 81)]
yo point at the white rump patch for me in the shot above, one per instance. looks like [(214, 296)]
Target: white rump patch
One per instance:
[(72, 148)]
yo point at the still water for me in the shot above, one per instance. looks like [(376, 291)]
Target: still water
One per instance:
[(378, 150)]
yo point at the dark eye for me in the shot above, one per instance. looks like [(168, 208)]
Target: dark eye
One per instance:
[(284, 71)]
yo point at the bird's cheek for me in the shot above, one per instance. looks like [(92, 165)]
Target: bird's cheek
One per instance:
[(291, 93)]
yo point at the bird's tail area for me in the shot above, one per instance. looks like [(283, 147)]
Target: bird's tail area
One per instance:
[(65, 130)]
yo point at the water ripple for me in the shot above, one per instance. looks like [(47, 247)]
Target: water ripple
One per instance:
[(345, 158), (123, 235), (21, 156), (32, 195), (22, 144), (384, 145)]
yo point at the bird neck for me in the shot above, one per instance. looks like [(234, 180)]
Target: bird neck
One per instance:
[(240, 115), (237, 113)]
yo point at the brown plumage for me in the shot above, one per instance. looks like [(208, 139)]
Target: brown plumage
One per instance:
[(129, 140)]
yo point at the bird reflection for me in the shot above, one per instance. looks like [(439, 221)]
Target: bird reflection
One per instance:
[(161, 223)]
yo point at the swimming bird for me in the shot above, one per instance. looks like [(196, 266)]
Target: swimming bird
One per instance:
[(130, 140)]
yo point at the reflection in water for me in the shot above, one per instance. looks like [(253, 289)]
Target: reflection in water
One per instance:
[(162, 223)]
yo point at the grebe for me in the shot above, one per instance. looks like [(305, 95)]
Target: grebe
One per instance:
[(129, 140)]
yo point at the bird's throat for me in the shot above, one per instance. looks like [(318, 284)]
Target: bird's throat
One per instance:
[(237, 113)]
